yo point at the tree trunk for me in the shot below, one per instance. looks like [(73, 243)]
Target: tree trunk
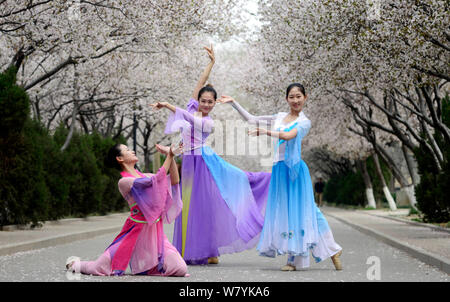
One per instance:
[(386, 192), (72, 127), (74, 112), (369, 189), (410, 192), (156, 162), (410, 165), (405, 187), (147, 160)]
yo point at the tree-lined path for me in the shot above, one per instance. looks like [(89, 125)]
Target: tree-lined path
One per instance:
[(78, 76), (362, 254)]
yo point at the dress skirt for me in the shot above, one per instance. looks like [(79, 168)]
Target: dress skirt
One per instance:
[(223, 208), (293, 223)]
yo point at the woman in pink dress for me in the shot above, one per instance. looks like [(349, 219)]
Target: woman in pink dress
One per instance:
[(142, 243)]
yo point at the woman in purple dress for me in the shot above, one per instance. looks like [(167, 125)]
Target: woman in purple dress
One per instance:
[(223, 206)]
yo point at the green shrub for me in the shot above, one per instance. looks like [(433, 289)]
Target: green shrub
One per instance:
[(39, 182), (347, 188), (81, 173), (23, 192), (112, 200), (433, 191)]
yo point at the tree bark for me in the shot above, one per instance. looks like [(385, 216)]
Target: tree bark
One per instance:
[(368, 184), (156, 162), (74, 113), (386, 191), (410, 165), (61, 66), (72, 127)]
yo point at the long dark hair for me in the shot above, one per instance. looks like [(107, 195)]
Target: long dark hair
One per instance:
[(298, 85), (110, 160), (207, 88)]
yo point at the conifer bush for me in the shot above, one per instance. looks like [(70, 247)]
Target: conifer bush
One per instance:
[(39, 181), (433, 191)]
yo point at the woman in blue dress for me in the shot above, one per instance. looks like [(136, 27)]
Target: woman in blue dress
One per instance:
[(293, 224)]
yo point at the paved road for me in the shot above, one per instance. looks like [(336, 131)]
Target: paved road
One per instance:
[(364, 259)]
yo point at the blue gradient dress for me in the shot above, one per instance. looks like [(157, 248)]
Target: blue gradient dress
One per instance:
[(293, 224)]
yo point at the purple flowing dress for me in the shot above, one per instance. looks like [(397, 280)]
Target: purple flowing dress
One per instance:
[(223, 206)]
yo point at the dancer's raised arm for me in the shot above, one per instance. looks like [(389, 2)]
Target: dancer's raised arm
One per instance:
[(252, 119), (205, 75), (184, 114), (170, 164), (159, 105), (278, 134)]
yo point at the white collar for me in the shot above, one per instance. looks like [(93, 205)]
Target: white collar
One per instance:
[(300, 117)]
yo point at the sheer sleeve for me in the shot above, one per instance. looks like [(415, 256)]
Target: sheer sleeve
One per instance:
[(252, 119), (150, 194), (292, 155), (182, 119), (192, 105), (173, 203), (303, 128), (125, 184), (153, 195)]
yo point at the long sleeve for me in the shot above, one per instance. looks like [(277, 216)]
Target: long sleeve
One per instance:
[(303, 127), (183, 120), (173, 204), (252, 119), (150, 194), (292, 155), (192, 105)]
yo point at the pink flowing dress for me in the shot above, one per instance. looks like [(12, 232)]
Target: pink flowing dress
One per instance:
[(142, 244)]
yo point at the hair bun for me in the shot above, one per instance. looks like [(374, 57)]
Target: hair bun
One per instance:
[(209, 85)]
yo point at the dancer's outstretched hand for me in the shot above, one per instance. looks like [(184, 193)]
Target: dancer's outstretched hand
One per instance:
[(165, 150), (225, 99), (257, 132), (210, 53), (162, 149), (177, 150), (158, 105)]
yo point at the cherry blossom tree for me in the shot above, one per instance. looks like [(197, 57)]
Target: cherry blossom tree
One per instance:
[(95, 65), (385, 61)]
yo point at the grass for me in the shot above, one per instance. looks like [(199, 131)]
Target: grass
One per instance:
[(413, 211)]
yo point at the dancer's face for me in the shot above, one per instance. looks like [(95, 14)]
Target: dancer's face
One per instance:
[(127, 156), (206, 102), (296, 99)]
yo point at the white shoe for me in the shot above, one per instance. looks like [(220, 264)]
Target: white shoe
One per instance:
[(70, 261)]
